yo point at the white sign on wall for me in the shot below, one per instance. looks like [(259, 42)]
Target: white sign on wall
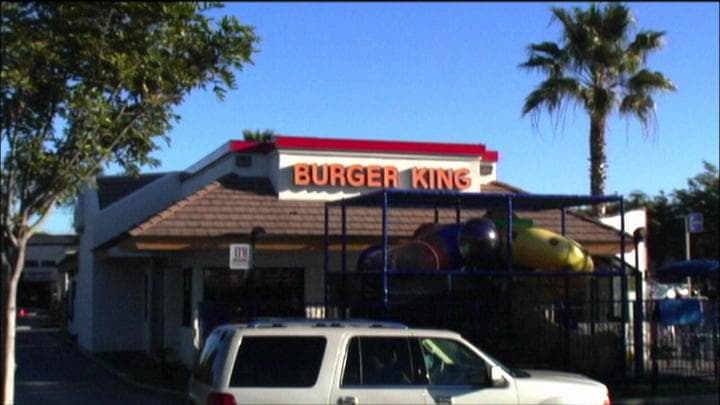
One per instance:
[(239, 256)]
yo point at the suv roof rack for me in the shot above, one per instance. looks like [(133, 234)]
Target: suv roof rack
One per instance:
[(322, 323)]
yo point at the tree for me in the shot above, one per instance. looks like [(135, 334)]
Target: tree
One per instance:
[(85, 85), (596, 66), (258, 135), (702, 196), (666, 218)]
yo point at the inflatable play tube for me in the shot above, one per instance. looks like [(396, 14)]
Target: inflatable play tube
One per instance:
[(479, 243), (541, 249), (370, 259), (414, 256), (443, 239), (411, 256)]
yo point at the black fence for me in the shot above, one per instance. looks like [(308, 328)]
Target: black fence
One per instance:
[(682, 338), (574, 322)]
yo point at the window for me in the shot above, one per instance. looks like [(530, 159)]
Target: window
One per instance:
[(449, 362), (31, 263), (71, 300), (278, 361), (379, 361)]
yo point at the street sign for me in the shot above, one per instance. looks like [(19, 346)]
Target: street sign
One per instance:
[(695, 222), (240, 256)]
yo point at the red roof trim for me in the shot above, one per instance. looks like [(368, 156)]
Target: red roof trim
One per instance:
[(251, 146), (294, 142), (385, 146)]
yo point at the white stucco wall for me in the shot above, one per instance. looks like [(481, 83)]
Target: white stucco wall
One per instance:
[(118, 217), (81, 324), (283, 177), (259, 167), (119, 310), (634, 219)]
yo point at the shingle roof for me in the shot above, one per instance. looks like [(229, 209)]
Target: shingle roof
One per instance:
[(113, 188), (233, 205), (53, 239)]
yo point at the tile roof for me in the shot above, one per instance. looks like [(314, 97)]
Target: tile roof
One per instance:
[(233, 205)]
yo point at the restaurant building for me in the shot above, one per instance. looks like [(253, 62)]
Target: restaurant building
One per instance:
[(154, 248)]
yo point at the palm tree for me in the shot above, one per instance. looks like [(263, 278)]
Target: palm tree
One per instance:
[(596, 66), (258, 135)]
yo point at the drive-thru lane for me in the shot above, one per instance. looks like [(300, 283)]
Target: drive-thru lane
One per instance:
[(51, 370)]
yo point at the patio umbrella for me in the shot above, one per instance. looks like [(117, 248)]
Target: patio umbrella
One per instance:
[(678, 271)]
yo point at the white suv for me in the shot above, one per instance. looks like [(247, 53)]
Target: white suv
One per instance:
[(364, 362)]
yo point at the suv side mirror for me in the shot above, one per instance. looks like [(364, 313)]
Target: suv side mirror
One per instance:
[(496, 377)]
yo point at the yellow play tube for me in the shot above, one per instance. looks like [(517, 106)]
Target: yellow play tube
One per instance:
[(541, 249)]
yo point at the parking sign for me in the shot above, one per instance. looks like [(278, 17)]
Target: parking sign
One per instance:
[(695, 222)]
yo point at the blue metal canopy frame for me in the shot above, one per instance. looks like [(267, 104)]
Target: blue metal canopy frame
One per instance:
[(386, 198)]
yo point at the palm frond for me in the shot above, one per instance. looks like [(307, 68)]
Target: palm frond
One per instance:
[(546, 57), (617, 20), (647, 81), (642, 107), (551, 94), (644, 43)]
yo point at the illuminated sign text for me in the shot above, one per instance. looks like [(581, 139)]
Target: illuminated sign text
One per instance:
[(375, 176)]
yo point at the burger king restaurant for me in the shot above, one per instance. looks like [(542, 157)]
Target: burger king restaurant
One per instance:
[(253, 228)]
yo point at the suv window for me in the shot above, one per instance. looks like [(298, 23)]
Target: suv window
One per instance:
[(449, 362), (379, 361), (278, 361)]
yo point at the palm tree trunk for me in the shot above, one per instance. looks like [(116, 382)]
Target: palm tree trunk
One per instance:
[(598, 159)]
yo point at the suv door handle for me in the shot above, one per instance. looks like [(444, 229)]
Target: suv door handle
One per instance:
[(347, 401), (443, 400)]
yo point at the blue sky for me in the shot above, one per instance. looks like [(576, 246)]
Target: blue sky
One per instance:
[(448, 72)]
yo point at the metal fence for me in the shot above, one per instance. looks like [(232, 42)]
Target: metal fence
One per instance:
[(578, 323), (682, 338), (572, 322)]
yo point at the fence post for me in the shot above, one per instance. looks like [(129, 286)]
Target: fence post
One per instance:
[(639, 317), (716, 339), (653, 348), (566, 322)]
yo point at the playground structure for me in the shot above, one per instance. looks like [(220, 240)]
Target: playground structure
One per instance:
[(504, 294), (535, 309)]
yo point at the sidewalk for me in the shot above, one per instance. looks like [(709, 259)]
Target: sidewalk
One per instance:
[(52, 369), (685, 391), (134, 367), (142, 369)]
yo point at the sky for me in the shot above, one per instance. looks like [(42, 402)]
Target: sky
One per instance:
[(448, 72)]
